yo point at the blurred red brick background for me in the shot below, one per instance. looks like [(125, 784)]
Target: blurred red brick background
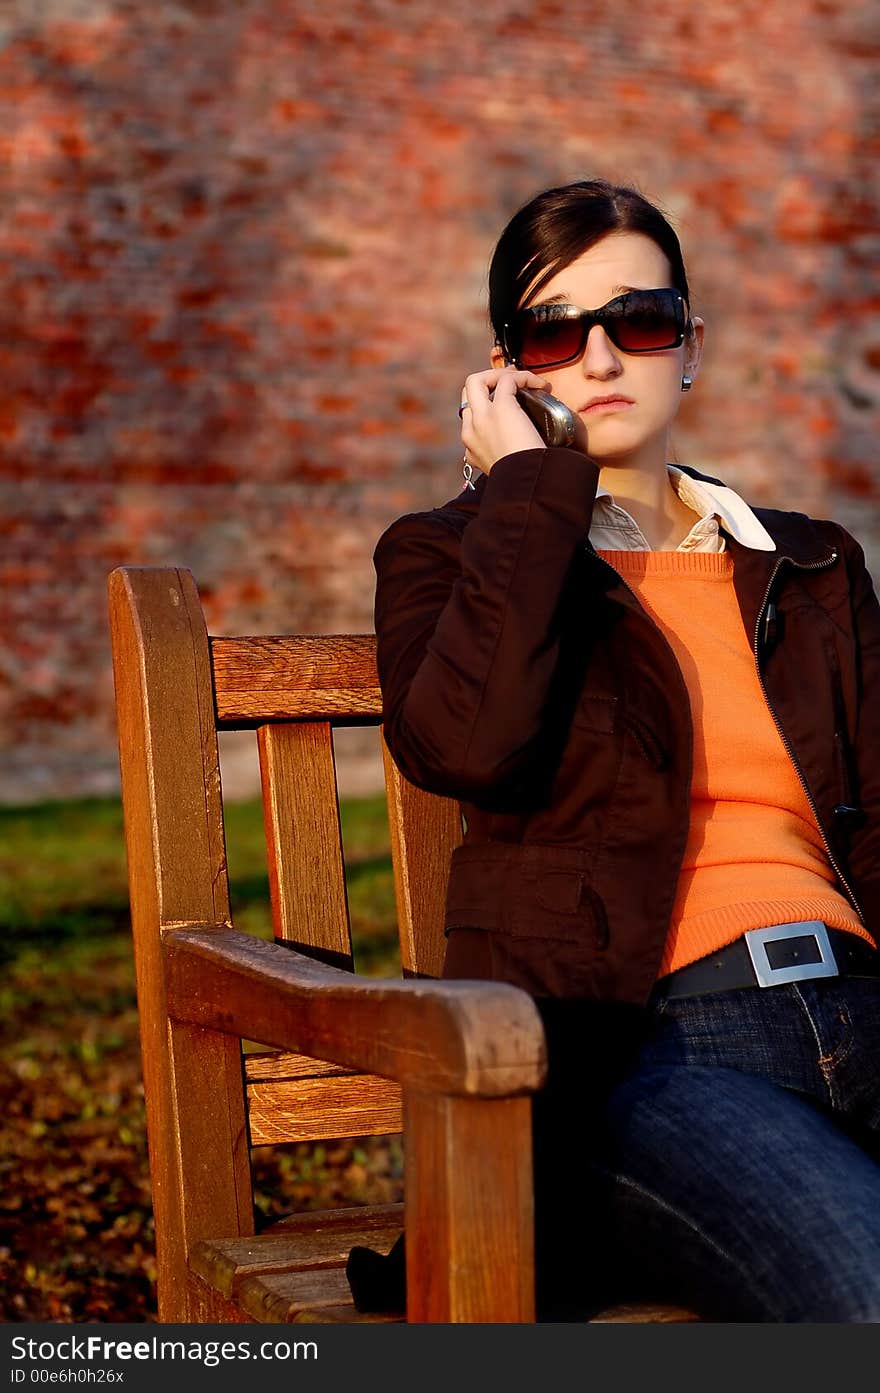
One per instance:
[(243, 250)]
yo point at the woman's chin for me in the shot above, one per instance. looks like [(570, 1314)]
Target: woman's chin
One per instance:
[(619, 448)]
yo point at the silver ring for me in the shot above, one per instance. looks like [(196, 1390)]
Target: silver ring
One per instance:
[(462, 407)]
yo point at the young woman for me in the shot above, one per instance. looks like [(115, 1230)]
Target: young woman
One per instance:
[(660, 710)]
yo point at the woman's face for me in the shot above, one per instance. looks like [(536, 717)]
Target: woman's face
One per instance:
[(644, 388)]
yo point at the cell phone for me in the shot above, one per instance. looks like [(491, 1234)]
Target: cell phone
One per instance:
[(552, 417)]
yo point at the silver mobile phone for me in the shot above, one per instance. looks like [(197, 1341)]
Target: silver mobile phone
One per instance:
[(552, 417)]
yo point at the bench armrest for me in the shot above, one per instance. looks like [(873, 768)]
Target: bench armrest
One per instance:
[(481, 1039)]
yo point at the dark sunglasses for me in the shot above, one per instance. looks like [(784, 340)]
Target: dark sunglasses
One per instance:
[(642, 321)]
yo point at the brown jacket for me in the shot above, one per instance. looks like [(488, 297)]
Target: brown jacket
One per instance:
[(522, 676)]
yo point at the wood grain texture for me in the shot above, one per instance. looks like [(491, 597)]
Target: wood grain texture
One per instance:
[(177, 869), (425, 829), (479, 1038), (469, 1209), (330, 677), (347, 1105), (168, 745), (281, 1065), (366, 1216), (304, 838), (320, 1297), (317, 1240), (212, 1308)]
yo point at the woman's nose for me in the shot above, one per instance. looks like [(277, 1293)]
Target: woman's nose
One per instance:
[(599, 358)]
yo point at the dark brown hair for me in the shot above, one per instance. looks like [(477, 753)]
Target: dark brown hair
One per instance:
[(553, 229)]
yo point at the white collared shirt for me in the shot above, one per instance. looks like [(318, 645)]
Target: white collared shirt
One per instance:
[(716, 506)]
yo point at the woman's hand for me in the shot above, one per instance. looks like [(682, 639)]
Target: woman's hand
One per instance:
[(493, 424)]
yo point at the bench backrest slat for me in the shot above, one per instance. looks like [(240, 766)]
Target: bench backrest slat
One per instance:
[(304, 839), (424, 830), (324, 676)]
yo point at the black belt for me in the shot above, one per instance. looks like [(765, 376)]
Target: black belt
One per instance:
[(773, 956)]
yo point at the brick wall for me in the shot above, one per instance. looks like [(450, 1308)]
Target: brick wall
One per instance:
[(243, 249)]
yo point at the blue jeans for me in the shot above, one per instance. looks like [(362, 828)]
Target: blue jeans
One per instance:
[(735, 1168)]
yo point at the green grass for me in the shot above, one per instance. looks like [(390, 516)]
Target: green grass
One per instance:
[(62, 872), (63, 878)]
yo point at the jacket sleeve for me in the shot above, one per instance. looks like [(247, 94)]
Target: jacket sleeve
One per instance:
[(466, 640), (864, 854)]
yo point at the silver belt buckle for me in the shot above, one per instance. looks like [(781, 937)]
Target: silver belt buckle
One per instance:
[(769, 976)]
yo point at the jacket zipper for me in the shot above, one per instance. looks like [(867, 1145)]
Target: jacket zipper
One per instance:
[(802, 566)]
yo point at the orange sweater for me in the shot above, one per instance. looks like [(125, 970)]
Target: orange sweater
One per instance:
[(754, 853)]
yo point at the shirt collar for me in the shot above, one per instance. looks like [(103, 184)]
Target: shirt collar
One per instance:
[(718, 501)]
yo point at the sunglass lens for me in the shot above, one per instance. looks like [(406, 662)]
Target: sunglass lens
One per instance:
[(548, 341), (648, 323)]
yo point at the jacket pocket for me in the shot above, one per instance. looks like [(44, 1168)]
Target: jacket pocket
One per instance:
[(525, 891), (647, 741), (596, 713)]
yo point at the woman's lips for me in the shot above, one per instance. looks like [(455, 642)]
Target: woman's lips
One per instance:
[(598, 405)]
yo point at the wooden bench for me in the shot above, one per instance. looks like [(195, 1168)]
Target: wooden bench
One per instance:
[(451, 1064)]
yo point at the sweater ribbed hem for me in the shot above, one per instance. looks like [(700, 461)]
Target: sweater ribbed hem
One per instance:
[(692, 565), (705, 933)]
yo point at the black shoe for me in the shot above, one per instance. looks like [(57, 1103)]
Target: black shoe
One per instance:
[(378, 1281)]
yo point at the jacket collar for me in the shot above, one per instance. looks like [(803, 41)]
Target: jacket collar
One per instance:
[(795, 536)]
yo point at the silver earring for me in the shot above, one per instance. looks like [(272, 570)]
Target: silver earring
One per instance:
[(686, 383), (468, 472)]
